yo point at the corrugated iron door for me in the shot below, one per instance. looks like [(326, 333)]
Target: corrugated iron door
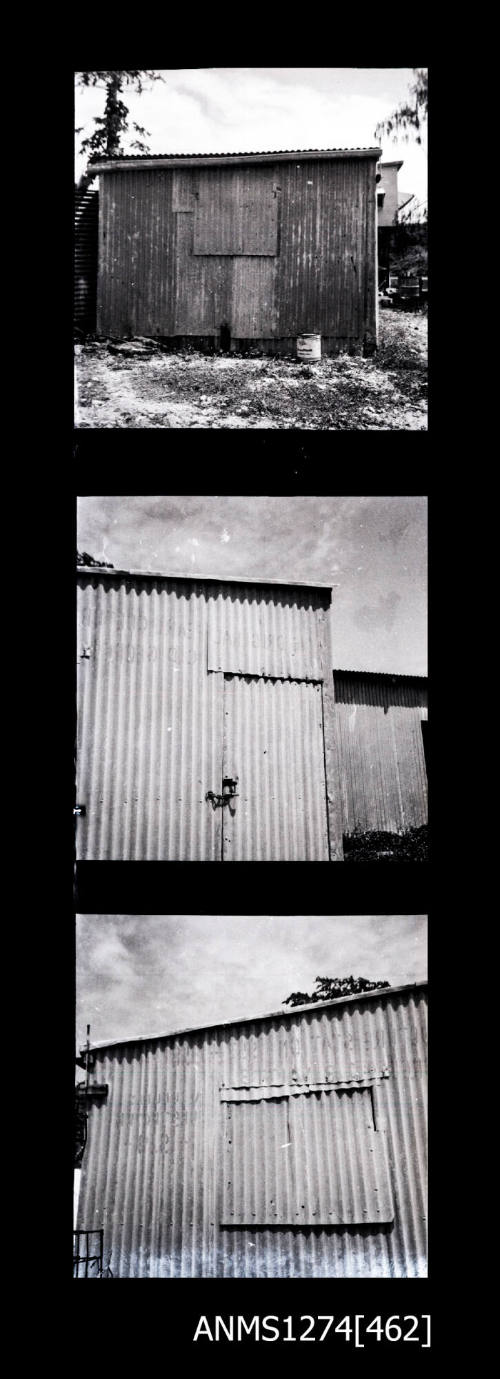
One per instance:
[(273, 750)]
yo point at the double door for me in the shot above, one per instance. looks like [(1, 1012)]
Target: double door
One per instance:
[(200, 726)]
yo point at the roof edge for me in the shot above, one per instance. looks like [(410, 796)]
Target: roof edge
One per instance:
[(168, 160), (191, 578), (378, 674), (254, 1019)]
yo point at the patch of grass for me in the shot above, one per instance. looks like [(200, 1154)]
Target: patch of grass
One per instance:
[(377, 846)]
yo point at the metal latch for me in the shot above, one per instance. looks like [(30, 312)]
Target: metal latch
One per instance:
[(229, 792), (80, 811)]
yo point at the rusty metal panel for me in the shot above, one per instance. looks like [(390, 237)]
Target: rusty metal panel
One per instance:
[(149, 721), (236, 212), (274, 748), (153, 1164), (333, 1172), (257, 631), (381, 753)]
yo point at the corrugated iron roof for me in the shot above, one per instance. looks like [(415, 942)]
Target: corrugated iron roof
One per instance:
[(197, 578), (253, 1019), (377, 674), (255, 153)]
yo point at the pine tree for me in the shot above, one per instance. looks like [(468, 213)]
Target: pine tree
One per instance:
[(110, 128)]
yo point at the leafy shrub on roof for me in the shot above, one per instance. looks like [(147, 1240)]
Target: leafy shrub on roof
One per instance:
[(83, 558), (329, 988)]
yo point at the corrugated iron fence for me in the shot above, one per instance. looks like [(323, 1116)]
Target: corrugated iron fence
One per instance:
[(290, 1146), (85, 259)]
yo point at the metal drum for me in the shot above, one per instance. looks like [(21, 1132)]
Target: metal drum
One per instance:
[(309, 347)]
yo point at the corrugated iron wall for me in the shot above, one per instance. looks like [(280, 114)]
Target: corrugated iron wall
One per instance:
[(334, 1173), (149, 722), (158, 719), (307, 251), (158, 1147), (378, 723), (137, 254), (258, 632), (326, 277), (236, 212), (85, 259)]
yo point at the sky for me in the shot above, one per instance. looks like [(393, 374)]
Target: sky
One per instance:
[(373, 550), (261, 109), (151, 974)]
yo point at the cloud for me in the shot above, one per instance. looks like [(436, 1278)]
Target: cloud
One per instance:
[(245, 109), (380, 614), (378, 610), (145, 974)]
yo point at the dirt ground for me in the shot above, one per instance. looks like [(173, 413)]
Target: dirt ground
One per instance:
[(139, 383)]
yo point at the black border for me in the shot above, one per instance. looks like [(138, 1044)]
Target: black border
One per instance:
[(304, 462)]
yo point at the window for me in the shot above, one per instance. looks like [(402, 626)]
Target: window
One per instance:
[(306, 1155)]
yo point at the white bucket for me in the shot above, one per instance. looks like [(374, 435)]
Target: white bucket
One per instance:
[(309, 347)]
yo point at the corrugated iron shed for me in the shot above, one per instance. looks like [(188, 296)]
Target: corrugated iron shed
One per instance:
[(185, 683), (265, 246), (291, 1145)]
